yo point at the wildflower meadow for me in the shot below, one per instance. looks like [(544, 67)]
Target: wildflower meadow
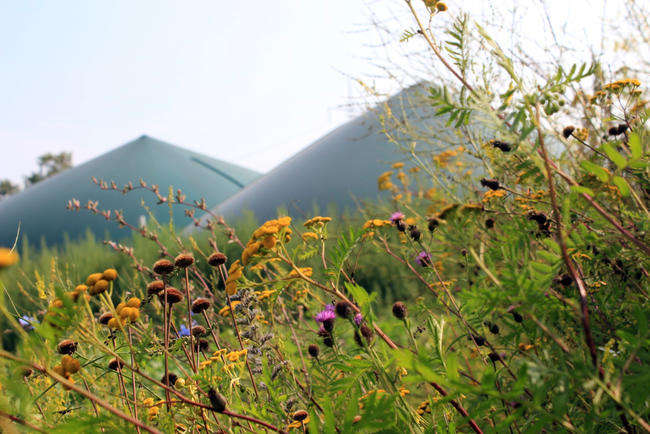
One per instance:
[(500, 285)]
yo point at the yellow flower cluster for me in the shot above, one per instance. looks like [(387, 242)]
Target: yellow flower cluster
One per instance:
[(309, 235), (8, 257), (234, 356), (261, 295), (383, 182), (317, 221), (307, 271), (266, 236), (397, 165), (154, 408), (404, 391), (424, 407), (375, 223), (492, 194), (129, 311), (98, 282), (443, 158), (68, 366), (225, 311), (234, 273), (298, 424), (525, 347), (620, 84)]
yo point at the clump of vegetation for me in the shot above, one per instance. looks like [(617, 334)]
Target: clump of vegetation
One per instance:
[(524, 246)]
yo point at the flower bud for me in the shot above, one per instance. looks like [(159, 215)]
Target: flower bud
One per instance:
[(184, 260), (163, 266), (399, 310), (217, 259)]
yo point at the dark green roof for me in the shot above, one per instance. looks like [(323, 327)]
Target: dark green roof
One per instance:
[(342, 167), (41, 208)]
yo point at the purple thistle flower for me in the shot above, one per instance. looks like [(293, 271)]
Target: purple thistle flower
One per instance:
[(358, 318), (325, 315), (330, 307), (423, 259), (396, 216)]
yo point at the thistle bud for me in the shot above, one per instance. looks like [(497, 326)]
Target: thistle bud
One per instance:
[(399, 310), (343, 309), (169, 379), (217, 400), (115, 364), (415, 233), (567, 131), (313, 350), (105, 318), (492, 184)]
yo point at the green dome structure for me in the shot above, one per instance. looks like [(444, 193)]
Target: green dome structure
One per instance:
[(341, 168), (41, 212)]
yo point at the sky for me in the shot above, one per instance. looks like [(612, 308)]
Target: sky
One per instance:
[(247, 82)]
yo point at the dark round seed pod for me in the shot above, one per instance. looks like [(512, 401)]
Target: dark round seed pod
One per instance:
[(173, 295), (201, 345), (566, 280), (494, 356), (200, 304), (184, 260), (300, 415), (115, 364), (217, 401), (328, 325), (399, 310), (415, 233), (480, 340), (328, 341), (502, 146), (155, 287), (105, 318), (27, 372), (567, 131), (343, 309), (622, 128), (433, 224), (539, 217), (492, 184), (613, 131), (494, 329), (217, 259), (313, 350), (401, 226), (66, 346), (517, 316), (198, 330), (171, 377), (489, 223), (163, 266)]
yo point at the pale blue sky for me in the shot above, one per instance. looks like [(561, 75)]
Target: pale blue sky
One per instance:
[(247, 82)]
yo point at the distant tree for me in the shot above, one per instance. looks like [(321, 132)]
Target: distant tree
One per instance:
[(7, 188), (49, 165)]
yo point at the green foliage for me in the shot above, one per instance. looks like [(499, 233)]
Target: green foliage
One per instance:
[(519, 258)]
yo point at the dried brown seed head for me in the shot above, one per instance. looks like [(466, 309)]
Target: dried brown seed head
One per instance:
[(300, 415), (155, 287), (217, 259), (200, 304), (173, 295), (105, 318), (163, 266), (66, 346), (184, 260)]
